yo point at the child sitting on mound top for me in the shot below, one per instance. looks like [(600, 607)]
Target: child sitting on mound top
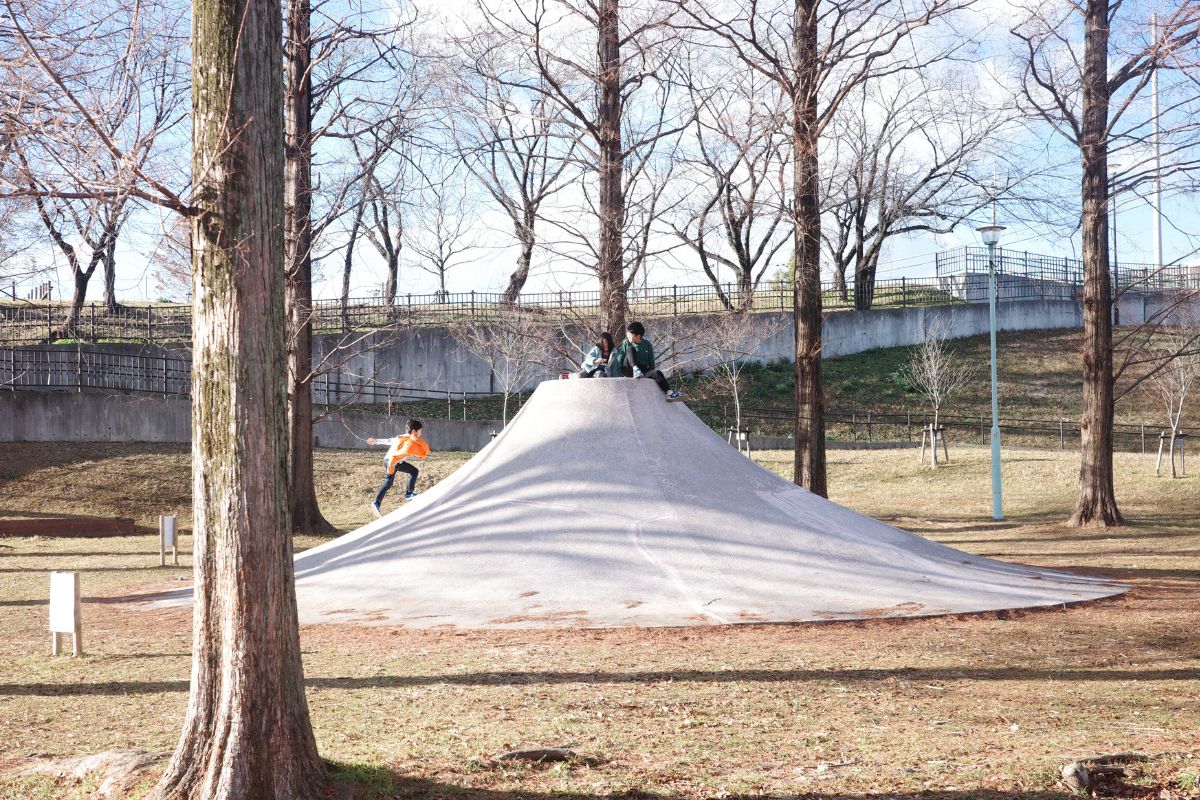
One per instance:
[(635, 359), (400, 450)]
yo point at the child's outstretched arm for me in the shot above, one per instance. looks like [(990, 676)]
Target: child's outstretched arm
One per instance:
[(384, 442)]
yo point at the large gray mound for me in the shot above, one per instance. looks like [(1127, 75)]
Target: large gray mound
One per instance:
[(602, 505)]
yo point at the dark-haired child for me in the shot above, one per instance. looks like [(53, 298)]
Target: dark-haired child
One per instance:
[(400, 449)]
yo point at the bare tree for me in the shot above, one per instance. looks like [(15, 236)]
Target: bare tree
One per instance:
[(818, 52), (736, 207), (95, 94), (445, 232), (935, 371), (901, 160), (729, 345), (597, 62), (1175, 382), (512, 142), (1086, 95), (515, 346), (247, 731), (333, 83), (171, 261)]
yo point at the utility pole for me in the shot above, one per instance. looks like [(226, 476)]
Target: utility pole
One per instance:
[(1156, 194)]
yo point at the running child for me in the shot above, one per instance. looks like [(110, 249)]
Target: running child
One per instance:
[(400, 449)]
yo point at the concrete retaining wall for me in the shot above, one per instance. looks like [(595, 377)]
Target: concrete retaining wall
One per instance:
[(94, 417)]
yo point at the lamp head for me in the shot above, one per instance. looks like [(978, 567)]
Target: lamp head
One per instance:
[(990, 233)]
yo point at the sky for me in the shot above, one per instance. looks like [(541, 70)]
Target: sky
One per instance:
[(486, 269)]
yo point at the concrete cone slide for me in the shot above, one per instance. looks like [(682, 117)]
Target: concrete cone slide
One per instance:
[(603, 505)]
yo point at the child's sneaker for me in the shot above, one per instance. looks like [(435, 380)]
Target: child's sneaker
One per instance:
[(375, 510), (410, 495), (673, 394)]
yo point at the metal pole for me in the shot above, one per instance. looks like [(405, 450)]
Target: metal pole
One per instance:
[(1156, 194), (997, 500)]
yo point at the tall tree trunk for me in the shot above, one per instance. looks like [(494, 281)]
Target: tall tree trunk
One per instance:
[(839, 281), (110, 276), (70, 327), (393, 275), (614, 305), (1096, 504), (810, 412), (298, 144), (247, 732), (348, 265), (864, 284), (516, 281), (746, 288)]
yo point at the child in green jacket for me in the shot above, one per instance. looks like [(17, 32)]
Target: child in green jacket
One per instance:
[(634, 358)]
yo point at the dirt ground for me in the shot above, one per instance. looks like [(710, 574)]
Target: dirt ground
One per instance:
[(985, 706)]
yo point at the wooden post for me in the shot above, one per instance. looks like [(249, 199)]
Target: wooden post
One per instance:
[(167, 538), (870, 436), (945, 446), (65, 612), (1158, 462), (1143, 440)]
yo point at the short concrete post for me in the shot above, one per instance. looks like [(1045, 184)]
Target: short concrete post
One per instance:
[(167, 538), (65, 616)]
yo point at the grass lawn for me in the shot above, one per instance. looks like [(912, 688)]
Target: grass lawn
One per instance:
[(985, 706)]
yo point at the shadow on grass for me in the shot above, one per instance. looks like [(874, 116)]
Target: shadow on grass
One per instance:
[(557, 678), (369, 782)]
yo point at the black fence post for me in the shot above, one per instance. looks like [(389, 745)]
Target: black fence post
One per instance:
[(150, 324), (675, 300), (903, 292), (49, 325), (165, 384), (472, 303)]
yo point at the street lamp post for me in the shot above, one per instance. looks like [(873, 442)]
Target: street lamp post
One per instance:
[(991, 236)]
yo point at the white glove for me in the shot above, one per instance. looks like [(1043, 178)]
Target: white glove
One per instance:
[(637, 373)]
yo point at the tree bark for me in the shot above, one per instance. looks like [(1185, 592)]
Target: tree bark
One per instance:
[(516, 281), (110, 277), (298, 144), (614, 305), (809, 400), (1096, 503), (247, 732), (864, 283)]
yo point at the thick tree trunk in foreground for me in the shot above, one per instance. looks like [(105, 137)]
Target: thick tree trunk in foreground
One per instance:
[(613, 304), (1096, 505), (810, 412), (305, 511), (247, 732)]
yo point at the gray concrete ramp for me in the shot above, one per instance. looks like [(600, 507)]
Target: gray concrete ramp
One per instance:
[(602, 505)]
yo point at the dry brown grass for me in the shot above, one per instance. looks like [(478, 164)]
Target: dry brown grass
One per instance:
[(985, 706)]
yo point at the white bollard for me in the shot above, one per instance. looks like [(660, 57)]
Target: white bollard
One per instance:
[(167, 538), (65, 616)]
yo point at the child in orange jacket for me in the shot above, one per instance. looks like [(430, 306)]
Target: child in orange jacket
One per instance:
[(400, 449)]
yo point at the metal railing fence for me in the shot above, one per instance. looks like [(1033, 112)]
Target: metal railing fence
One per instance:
[(59, 369)]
